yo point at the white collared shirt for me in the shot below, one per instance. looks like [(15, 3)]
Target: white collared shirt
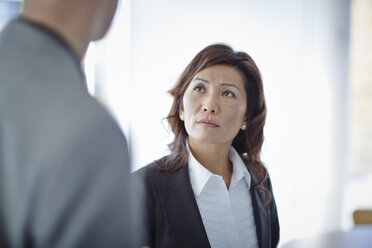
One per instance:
[(227, 214)]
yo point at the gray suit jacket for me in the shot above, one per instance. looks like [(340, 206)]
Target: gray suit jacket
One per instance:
[(64, 166)]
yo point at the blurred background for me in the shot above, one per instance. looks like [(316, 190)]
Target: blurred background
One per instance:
[(315, 57)]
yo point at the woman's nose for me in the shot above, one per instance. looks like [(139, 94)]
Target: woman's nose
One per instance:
[(207, 109), (210, 105)]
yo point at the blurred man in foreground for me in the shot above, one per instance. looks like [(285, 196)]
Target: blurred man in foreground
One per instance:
[(64, 166)]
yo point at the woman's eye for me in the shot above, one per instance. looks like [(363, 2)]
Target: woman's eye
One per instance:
[(228, 93), (199, 89)]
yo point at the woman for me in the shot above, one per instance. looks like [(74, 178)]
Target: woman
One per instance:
[(213, 190)]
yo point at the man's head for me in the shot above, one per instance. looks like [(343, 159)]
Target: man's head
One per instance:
[(104, 13), (77, 21)]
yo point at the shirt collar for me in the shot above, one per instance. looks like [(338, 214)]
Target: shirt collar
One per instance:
[(199, 175), (239, 169)]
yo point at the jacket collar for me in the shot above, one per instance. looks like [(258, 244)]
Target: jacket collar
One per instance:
[(181, 210), (261, 216), (184, 219)]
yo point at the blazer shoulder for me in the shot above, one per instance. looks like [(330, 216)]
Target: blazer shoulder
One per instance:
[(152, 173), (256, 180), (267, 184)]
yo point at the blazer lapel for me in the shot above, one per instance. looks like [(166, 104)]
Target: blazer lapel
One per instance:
[(260, 213), (181, 210)]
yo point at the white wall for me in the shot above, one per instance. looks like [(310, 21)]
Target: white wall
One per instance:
[(166, 35)]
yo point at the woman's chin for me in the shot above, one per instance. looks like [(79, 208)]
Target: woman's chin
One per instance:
[(208, 140)]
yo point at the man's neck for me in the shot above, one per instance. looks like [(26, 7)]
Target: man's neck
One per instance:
[(77, 42)]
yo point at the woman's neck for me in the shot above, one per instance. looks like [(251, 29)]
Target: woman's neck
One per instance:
[(214, 157)]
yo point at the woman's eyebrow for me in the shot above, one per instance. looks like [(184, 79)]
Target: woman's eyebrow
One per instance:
[(231, 85), (223, 84), (204, 80)]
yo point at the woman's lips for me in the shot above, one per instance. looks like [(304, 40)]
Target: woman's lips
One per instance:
[(207, 123)]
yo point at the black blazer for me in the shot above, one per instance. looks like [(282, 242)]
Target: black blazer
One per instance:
[(173, 216)]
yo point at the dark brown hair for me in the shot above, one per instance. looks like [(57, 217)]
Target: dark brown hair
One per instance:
[(248, 142)]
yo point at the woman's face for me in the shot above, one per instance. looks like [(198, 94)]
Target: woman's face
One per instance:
[(214, 105)]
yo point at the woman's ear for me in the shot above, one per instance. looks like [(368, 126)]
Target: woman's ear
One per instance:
[(244, 125)]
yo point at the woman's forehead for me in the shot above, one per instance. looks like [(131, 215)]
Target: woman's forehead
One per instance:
[(220, 74)]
